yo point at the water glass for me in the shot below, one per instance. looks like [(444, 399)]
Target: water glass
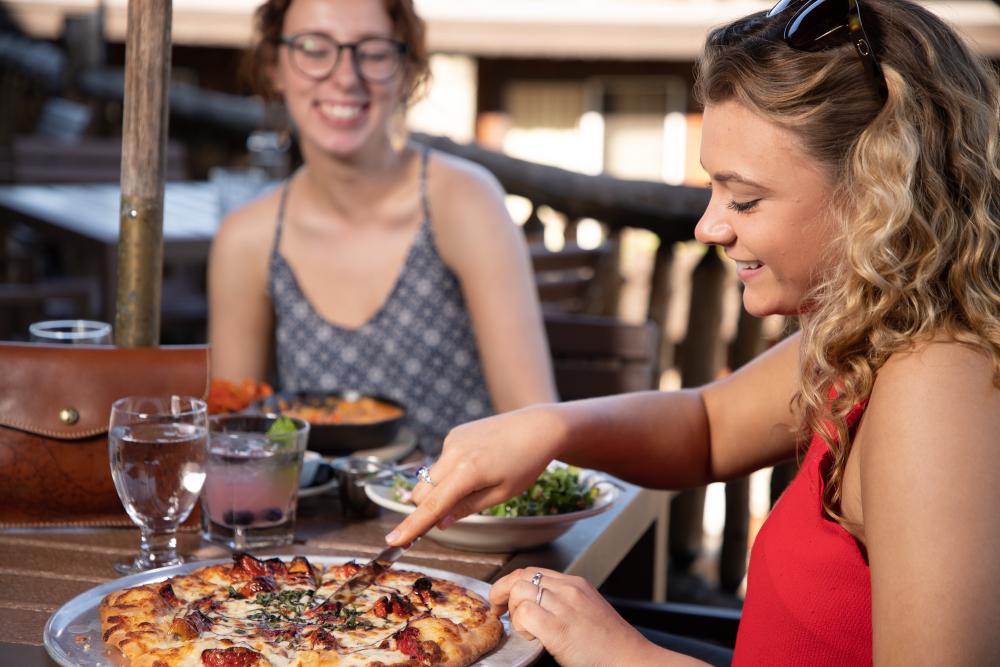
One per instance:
[(252, 481), (157, 446), (73, 332)]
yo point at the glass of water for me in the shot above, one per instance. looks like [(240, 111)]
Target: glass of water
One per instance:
[(158, 447), (252, 482), (72, 332)]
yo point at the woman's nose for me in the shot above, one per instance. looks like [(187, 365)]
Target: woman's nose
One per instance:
[(714, 228), (345, 73)]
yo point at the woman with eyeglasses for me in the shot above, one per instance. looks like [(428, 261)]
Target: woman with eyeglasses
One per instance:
[(855, 171), (380, 268)]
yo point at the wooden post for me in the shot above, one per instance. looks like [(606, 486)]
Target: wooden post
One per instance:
[(144, 140), (700, 357), (85, 46), (748, 344), (659, 300)]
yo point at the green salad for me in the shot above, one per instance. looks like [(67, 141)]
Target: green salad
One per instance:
[(557, 490)]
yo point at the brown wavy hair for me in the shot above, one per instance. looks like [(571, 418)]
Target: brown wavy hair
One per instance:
[(916, 192), (269, 19)]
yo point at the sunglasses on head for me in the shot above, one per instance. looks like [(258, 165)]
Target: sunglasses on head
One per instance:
[(817, 25)]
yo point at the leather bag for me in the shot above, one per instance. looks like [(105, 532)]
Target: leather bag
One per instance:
[(55, 403)]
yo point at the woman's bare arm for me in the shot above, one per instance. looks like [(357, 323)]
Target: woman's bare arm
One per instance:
[(487, 251), (657, 439), (240, 315), (930, 488)]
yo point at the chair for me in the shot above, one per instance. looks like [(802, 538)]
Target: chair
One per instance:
[(599, 356), (717, 625), (575, 279)]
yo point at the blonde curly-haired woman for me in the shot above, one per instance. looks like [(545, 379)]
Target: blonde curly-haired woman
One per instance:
[(853, 153)]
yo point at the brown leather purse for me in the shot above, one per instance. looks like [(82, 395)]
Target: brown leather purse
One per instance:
[(55, 403)]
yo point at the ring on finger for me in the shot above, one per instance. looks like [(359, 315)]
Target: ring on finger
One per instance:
[(536, 579), (538, 596), (424, 475)]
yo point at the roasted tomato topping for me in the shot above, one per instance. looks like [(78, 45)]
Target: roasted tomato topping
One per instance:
[(327, 611), (280, 634), (381, 608), (247, 566), (276, 567), (349, 569), (237, 656), (408, 643), (323, 638), (257, 585), (191, 625), (167, 594), (401, 607), (302, 570)]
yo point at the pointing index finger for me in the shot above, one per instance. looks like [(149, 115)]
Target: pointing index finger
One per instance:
[(438, 503)]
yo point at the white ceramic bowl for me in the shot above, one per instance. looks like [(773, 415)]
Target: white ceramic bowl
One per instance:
[(310, 464), (496, 533)]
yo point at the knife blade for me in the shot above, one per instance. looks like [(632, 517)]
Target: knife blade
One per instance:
[(363, 578)]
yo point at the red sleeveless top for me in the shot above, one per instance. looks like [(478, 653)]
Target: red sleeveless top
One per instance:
[(809, 598)]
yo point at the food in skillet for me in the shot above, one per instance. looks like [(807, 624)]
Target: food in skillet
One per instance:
[(339, 410)]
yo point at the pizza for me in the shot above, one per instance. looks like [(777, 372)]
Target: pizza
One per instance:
[(261, 613)]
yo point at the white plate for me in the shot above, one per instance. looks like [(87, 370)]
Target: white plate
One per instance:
[(72, 634), (496, 533)]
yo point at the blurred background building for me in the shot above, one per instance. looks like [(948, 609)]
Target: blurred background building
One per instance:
[(588, 85)]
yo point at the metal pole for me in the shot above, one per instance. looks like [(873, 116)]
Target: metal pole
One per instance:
[(144, 140)]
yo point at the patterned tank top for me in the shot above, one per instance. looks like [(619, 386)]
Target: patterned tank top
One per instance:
[(418, 348)]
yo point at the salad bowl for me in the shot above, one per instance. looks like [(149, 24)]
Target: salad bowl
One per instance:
[(479, 532)]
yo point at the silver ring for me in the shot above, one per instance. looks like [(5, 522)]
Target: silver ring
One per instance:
[(538, 596), (536, 579), (424, 475)]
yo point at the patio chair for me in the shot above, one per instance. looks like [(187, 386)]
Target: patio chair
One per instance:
[(599, 356), (575, 279)]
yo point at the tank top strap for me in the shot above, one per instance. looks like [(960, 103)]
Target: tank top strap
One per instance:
[(281, 214), (425, 153)]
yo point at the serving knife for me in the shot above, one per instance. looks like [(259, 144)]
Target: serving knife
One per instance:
[(364, 577)]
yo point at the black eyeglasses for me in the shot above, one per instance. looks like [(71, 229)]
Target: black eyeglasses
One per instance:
[(316, 55), (817, 25)]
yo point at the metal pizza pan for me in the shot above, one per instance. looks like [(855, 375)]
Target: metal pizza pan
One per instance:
[(72, 634)]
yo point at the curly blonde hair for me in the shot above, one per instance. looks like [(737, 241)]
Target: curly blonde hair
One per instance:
[(916, 192)]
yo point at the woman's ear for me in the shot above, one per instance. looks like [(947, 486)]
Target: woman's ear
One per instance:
[(274, 76)]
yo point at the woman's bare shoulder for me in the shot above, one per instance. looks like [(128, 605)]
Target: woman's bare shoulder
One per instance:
[(452, 170), (251, 227), (928, 366), (459, 186), (468, 212), (937, 391)]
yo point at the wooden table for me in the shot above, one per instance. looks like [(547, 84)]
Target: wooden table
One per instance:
[(85, 217), (42, 569)]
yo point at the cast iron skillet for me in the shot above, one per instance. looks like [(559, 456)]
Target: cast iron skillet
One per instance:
[(340, 439)]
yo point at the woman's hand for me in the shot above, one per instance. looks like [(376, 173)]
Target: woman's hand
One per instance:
[(571, 619), (483, 463)]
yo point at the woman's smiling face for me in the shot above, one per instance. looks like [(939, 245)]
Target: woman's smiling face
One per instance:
[(342, 114), (769, 208)]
